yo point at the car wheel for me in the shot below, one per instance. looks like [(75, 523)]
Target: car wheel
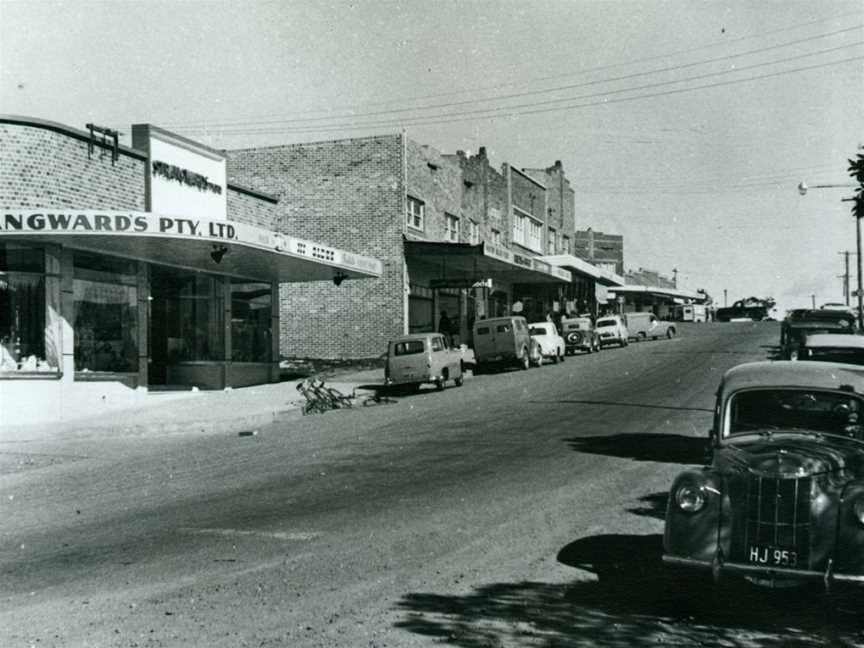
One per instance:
[(524, 359), (459, 380), (556, 358), (641, 337), (562, 355), (624, 342), (670, 333), (439, 384)]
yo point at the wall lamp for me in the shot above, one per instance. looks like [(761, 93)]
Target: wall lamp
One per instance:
[(339, 277), (218, 252)]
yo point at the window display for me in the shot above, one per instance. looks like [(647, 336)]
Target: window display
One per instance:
[(106, 314), (22, 309), (250, 321)]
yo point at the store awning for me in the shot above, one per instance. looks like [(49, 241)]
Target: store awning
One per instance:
[(215, 246), (462, 264), (583, 268), (659, 291)]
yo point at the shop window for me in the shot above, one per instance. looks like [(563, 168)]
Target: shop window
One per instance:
[(106, 313), (22, 309), (251, 332), (187, 316)]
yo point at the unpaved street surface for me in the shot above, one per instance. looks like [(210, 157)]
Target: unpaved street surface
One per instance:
[(522, 509)]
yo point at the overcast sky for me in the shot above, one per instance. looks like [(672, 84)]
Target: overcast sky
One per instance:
[(684, 126)]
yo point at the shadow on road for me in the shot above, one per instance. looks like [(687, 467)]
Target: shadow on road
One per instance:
[(667, 448), (773, 351), (654, 505), (631, 601), (619, 404)]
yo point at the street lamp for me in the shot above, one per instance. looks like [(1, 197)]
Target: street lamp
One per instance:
[(802, 189)]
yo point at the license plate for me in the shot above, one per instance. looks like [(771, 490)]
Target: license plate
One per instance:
[(772, 556)]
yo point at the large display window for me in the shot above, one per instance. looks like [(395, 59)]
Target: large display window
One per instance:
[(22, 309), (187, 316), (251, 312), (106, 313)]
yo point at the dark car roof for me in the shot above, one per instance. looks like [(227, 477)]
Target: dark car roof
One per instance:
[(815, 375)]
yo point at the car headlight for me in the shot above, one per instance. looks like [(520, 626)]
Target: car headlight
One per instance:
[(858, 508), (690, 498)]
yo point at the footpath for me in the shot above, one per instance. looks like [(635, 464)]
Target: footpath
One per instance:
[(241, 410)]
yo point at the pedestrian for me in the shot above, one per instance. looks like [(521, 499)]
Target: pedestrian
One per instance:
[(445, 326)]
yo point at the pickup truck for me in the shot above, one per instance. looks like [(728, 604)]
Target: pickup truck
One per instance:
[(746, 309)]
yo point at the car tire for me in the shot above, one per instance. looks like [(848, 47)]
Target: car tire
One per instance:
[(459, 380), (524, 360), (624, 342), (562, 356), (556, 358), (439, 384), (670, 333), (641, 337)]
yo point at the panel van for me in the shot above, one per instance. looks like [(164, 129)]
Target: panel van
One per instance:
[(505, 340)]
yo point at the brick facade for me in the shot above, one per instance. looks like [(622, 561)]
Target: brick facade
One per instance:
[(606, 250), (349, 194), (45, 168), (560, 207)]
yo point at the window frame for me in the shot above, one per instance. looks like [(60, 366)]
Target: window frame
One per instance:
[(411, 215), (451, 228)]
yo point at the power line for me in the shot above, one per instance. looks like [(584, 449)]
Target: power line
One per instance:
[(723, 43), (549, 90), (536, 109)]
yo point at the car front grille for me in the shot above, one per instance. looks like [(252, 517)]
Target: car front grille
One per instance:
[(777, 514)]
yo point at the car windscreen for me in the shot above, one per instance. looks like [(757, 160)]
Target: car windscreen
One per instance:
[(765, 410), (606, 322), (409, 347), (828, 354), (538, 330)]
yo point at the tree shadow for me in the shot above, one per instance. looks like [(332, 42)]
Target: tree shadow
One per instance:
[(666, 448), (772, 351), (654, 506), (631, 600)]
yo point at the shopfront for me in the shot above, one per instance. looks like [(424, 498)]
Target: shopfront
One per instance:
[(100, 306)]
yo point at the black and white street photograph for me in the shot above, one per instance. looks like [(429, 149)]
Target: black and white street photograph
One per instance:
[(407, 324)]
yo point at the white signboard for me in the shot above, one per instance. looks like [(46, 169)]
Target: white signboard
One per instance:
[(184, 177)]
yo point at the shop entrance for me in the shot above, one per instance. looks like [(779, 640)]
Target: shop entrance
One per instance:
[(186, 328)]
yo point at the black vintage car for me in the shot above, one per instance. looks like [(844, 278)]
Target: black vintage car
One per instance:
[(782, 501), (753, 309), (801, 323)]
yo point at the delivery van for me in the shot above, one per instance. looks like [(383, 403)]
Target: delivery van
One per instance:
[(505, 340)]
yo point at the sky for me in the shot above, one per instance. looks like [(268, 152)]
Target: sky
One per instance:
[(684, 126)]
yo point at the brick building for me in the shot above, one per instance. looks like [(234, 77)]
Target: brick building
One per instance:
[(126, 268), (455, 235), (603, 250)]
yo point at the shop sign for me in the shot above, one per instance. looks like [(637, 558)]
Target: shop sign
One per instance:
[(523, 261), (91, 222)]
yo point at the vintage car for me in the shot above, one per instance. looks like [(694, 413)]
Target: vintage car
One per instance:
[(782, 501), (505, 340), (550, 342), (612, 330), (422, 358), (751, 308), (641, 326), (799, 324), (830, 347), (579, 335)]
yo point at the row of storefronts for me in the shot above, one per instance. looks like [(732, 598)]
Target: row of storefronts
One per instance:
[(170, 265)]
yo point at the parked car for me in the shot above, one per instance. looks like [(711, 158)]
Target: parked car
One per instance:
[(422, 358), (830, 347), (612, 330), (505, 340), (642, 326), (550, 342), (799, 324), (690, 313), (782, 500), (579, 335)]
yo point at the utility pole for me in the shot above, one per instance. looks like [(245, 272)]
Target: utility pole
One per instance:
[(845, 275), (813, 301), (675, 277), (724, 298)]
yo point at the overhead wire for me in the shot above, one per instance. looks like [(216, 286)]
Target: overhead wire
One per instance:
[(542, 107), (549, 90)]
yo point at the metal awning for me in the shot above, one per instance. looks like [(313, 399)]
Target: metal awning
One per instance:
[(463, 263), (207, 245), (583, 268), (658, 291)]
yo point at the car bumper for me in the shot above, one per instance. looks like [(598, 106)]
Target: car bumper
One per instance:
[(719, 567)]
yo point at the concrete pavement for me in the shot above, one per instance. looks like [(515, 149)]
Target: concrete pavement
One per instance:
[(188, 412)]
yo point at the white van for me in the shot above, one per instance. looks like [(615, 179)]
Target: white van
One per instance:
[(644, 326), (691, 313)]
